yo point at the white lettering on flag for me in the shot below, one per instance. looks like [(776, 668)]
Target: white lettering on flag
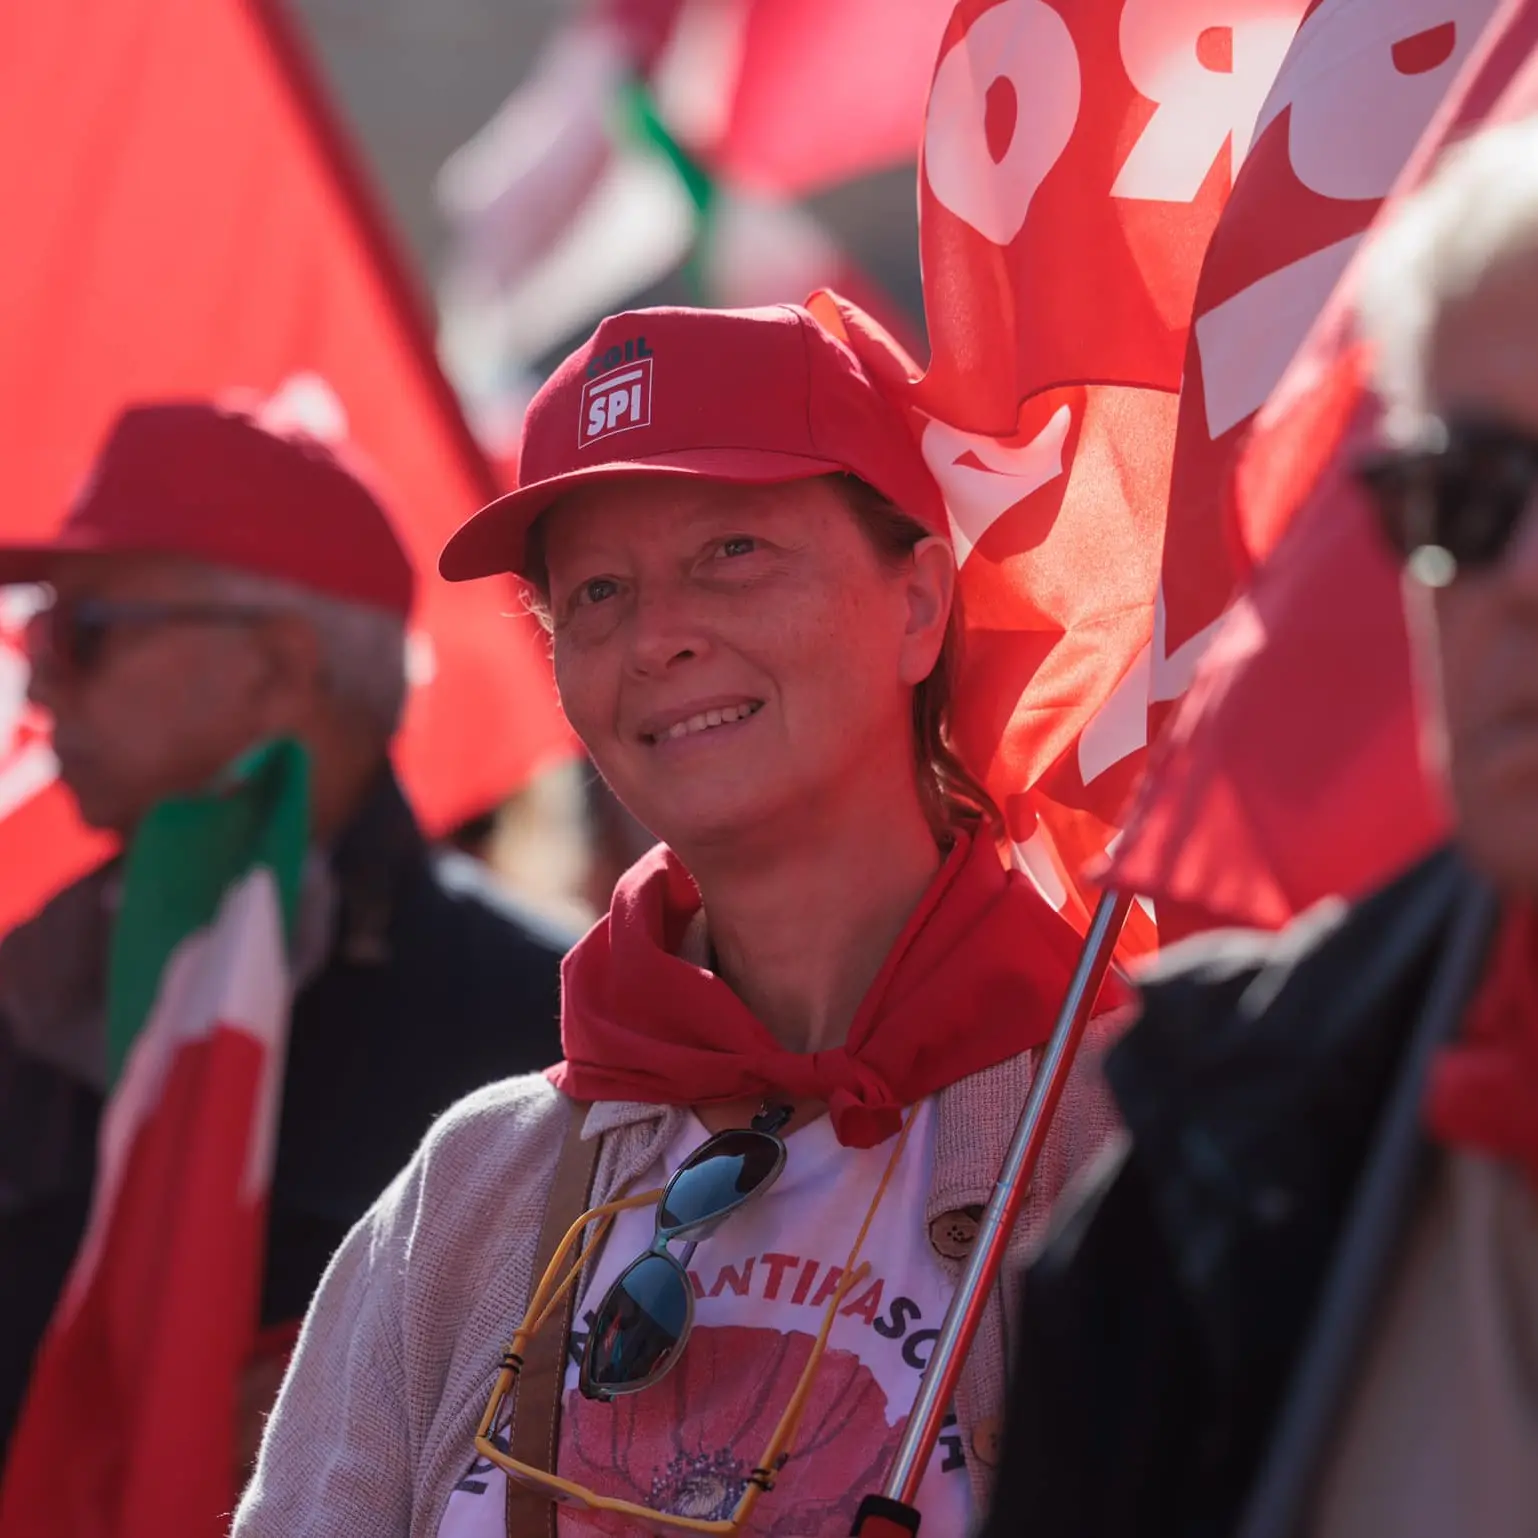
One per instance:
[(1120, 726), (1246, 343), (1207, 65), (1026, 45), (1033, 857), (975, 499), (1362, 83), (1173, 672)]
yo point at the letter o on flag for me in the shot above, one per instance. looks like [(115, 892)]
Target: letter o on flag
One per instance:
[(1027, 43)]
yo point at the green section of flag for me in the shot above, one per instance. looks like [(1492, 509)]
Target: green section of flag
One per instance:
[(185, 856), (643, 124)]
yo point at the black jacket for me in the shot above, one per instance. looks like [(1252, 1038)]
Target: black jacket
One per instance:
[(435, 984), (1176, 1292)]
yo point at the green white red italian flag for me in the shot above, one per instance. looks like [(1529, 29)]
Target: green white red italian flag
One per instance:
[(129, 1424)]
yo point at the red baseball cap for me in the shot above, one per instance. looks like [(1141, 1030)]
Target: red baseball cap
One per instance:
[(214, 483), (749, 396)]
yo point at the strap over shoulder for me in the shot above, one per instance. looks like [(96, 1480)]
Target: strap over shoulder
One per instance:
[(536, 1430)]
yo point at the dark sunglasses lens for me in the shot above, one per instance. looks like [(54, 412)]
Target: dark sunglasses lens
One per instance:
[(82, 637), (67, 634), (1468, 499), (1481, 501), (721, 1175), (640, 1325)]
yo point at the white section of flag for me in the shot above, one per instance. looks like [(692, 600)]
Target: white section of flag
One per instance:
[(233, 974)]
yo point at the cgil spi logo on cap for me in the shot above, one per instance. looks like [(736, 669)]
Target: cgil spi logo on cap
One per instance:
[(618, 394)]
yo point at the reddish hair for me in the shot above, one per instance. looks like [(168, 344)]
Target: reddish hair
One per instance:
[(951, 793)]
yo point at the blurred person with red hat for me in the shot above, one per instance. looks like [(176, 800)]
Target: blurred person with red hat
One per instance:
[(221, 582), (812, 1013)]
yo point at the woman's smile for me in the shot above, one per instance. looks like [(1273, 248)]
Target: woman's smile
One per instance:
[(696, 720)]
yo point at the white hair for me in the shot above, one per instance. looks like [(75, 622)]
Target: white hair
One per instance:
[(1476, 212), (363, 649)]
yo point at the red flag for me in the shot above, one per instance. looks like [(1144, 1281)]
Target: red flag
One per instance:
[(183, 218), (825, 90), (787, 97), (1292, 769), (1359, 85), (1077, 157), (1105, 319)]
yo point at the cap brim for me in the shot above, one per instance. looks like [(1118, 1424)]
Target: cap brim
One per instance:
[(492, 542), (37, 562)]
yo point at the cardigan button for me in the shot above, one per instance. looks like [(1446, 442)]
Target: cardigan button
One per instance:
[(953, 1234), (987, 1435)]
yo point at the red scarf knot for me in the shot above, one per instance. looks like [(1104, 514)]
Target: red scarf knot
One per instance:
[(976, 977), (1483, 1092)]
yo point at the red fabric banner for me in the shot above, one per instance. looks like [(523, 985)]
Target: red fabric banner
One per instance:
[(183, 218), (1358, 87), (1130, 216), (1292, 770), (822, 92), (1077, 158)]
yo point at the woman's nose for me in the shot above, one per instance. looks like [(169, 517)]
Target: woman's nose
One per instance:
[(663, 634)]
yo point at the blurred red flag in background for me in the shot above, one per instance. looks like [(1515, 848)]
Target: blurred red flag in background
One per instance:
[(1292, 770), (790, 97), (182, 218), (821, 92)]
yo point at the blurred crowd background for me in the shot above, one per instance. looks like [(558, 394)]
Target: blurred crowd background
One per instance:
[(1133, 369)]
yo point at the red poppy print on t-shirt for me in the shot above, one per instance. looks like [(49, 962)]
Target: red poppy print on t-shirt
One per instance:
[(688, 1444)]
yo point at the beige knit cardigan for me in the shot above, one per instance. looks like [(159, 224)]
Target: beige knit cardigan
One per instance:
[(376, 1418)]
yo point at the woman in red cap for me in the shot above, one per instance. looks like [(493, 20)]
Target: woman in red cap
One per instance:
[(809, 1019)]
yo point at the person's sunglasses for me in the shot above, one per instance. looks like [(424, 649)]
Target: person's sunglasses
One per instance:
[(639, 1329), (74, 632), (491, 1440), (1452, 504)]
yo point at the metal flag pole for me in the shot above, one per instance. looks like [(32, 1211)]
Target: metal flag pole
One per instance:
[(892, 1513)]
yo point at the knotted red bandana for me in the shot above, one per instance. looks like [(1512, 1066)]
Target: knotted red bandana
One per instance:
[(1483, 1092), (977, 976)]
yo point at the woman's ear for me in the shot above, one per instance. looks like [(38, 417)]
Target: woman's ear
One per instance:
[(931, 589)]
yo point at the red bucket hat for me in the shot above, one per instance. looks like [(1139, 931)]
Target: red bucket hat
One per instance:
[(750, 396), (214, 483)]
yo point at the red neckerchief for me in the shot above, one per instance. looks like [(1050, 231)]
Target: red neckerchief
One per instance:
[(1483, 1092), (976, 977)]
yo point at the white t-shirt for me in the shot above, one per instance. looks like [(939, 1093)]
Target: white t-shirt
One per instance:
[(687, 1444)]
